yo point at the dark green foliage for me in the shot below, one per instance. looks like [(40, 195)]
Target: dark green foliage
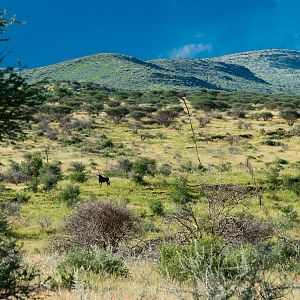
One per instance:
[(117, 113), (18, 102), (50, 174), (138, 115), (221, 271), (93, 261), (180, 193), (143, 167), (22, 197), (125, 165), (3, 222), (78, 173), (165, 169), (31, 165), (290, 115), (272, 143), (157, 208), (107, 143), (69, 194), (266, 116), (15, 276)]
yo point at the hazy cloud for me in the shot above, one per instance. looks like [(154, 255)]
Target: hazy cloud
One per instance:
[(191, 50)]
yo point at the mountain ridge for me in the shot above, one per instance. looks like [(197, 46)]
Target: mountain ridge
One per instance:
[(267, 71)]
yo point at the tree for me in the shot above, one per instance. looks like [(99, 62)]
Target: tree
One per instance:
[(16, 278), (18, 99), (117, 113), (290, 115), (266, 116)]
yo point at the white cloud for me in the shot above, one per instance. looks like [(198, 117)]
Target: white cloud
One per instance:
[(191, 50)]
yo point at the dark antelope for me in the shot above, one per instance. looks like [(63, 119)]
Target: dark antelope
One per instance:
[(103, 179)]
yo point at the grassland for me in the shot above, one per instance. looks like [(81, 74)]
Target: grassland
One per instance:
[(43, 216)]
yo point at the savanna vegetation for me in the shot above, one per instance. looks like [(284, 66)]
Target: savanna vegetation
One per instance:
[(203, 201)]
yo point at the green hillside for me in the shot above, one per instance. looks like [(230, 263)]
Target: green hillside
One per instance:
[(281, 68), (270, 71)]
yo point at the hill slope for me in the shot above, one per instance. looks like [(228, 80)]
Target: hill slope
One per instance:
[(281, 68), (270, 71)]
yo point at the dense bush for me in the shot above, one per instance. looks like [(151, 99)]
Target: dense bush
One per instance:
[(165, 169), (84, 262), (102, 223), (217, 271), (50, 174), (157, 208), (180, 193), (69, 194), (77, 172), (16, 278), (143, 167), (290, 115), (22, 197)]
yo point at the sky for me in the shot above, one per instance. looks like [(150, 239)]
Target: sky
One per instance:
[(58, 30)]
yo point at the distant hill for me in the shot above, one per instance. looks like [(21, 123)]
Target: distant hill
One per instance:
[(269, 71), (281, 68)]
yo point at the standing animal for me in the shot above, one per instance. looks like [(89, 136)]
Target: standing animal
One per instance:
[(103, 179)]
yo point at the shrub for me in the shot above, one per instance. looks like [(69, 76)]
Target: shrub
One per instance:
[(125, 165), (15, 276), (143, 167), (117, 113), (77, 172), (165, 169), (137, 178), (242, 272), (272, 143), (32, 164), (180, 191), (50, 174), (238, 114), (3, 223), (69, 193), (102, 223), (22, 197), (290, 116), (157, 207), (94, 261), (107, 143)]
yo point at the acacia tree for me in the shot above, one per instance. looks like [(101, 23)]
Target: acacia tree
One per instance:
[(18, 99), (290, 116)]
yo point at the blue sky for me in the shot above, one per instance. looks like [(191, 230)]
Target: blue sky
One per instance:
[(58, 30)]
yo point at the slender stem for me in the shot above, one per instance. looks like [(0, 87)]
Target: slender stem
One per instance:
[(192, 129)]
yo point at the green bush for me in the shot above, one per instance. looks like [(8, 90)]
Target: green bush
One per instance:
[(50, 174), (15, 276), (78, 173), (3, 223), (174, 259), (107, 143), (180, 191), (143, 167), (165, 169), (22, 197), (94, 261), (157, 208), (69, 193)]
